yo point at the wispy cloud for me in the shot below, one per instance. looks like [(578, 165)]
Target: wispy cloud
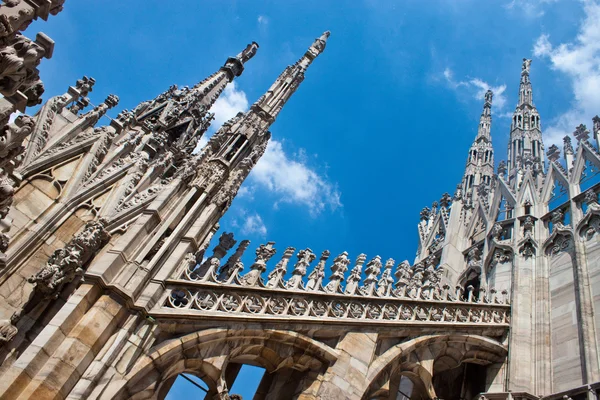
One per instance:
[(476, 88), (253, 224), (529, 8), (262, 20), (293, 181), (231, 101), (579, 60)]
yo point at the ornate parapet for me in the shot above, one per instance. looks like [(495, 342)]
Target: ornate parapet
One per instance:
[(416, 297), (231, 301)]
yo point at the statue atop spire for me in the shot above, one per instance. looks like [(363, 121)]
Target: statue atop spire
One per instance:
[(248, 52), (525, 67)]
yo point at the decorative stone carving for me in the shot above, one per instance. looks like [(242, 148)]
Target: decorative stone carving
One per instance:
[(16, 15), (19, 60), (404, 275), (209, 268), (276, 276), (386, 281), (338, 269), (62, 267), (373, 269), (581, 133), (263, 254), (315, 279), (234, 263), (305, 257), (355, 275)]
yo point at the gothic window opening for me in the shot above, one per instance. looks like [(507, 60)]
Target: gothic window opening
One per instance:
[(234, 148), (504, 210), (559, 195), (527, 208), (589, 176)]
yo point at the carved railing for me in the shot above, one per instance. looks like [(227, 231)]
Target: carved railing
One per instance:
[(417, 295)]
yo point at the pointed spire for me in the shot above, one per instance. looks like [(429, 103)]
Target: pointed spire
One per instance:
[(184, 112), (271, 103), (485, 121), (525, 95), (526, 148), (480, 163)]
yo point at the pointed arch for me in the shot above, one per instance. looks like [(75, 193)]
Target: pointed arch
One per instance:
[(208, 352)]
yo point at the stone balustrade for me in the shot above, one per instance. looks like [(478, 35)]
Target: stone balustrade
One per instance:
[(418, 293)]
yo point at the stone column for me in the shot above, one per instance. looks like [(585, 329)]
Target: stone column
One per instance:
[(346, 378)]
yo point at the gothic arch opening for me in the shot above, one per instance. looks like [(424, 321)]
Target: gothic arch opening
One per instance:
[(292, 362), (431, 362)]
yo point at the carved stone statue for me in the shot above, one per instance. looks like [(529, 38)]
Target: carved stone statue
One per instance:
[(61, 268), (226, 242), (276, 276), (231, 265), (386, 281), (305, 257), (338, 269), (373, 269), (526, 65), (315, 278), (355, 275), (263, 254)]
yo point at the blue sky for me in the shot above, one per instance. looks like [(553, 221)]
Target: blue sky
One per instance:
[(381, 126)]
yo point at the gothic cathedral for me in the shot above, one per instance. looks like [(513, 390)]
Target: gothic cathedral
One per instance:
[(109, 288)]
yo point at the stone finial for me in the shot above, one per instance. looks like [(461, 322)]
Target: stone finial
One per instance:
[(276, 276), (596, 125), (502, 168), (305, 257), (338, 269), (425, 213), (458, 192), (315, 279), (581, 133), (445, 200), (384, 286), (568, 147), (373, 269), (355, 275), (263, 255), (553, 153), (234, 263)]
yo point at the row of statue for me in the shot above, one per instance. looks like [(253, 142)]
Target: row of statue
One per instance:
[(423, 280)]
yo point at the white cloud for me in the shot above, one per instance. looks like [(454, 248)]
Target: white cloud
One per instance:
[(254, 224), (226, 107), (476, 88), (289, 177), (262, 20), (579, 60), (529, 8), (293, 180), (229, 104)]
